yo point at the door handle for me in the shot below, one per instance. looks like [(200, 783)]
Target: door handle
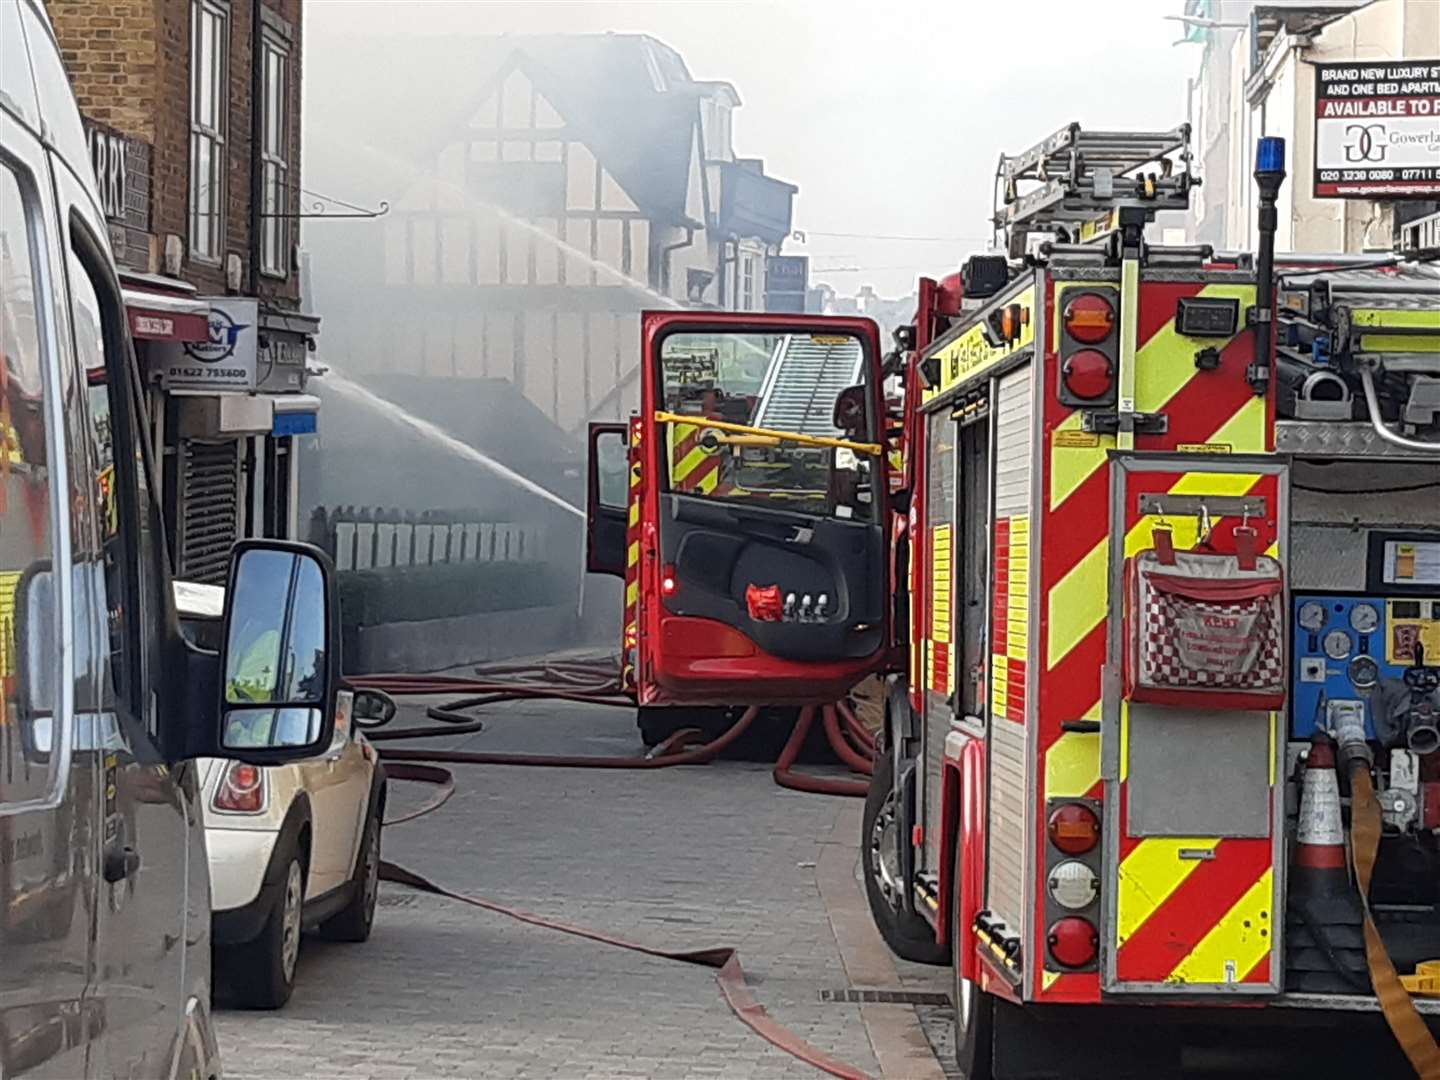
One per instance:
[(120, 862)]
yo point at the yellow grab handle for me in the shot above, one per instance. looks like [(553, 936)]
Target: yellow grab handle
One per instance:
[(873, 449)]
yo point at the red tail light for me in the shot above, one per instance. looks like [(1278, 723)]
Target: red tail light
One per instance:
[(1089, 318), (241, 790), (1074, 942), (669, 584), (1088, 374), (1074, 829)]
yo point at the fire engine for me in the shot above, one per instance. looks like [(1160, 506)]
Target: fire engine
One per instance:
[(1173, 537), (1156, 593)]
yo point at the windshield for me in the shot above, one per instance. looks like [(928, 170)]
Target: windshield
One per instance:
[(787, 384)]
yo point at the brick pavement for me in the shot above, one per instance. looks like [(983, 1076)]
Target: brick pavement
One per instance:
[(682, 857)]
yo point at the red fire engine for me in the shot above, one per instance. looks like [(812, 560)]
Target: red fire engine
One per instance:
[(1161, 544), (1157, 595)]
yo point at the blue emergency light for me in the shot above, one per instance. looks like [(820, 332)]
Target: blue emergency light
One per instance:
[(1270, 156)]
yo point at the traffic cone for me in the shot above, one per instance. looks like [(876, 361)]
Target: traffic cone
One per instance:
[(1325, 924)]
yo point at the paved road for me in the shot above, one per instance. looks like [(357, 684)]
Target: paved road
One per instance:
[(681, 857)]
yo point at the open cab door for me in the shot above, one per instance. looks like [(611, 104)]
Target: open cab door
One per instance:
[(607, 489), (763, 493)]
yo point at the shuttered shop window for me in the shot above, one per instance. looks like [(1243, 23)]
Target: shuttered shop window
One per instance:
[(209, 509)]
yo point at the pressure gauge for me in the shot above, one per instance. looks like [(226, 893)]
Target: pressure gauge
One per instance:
[(1312, 615), (1364, 618), (1337, 644), (1364, 673)]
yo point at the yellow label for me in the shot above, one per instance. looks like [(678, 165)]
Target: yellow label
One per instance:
[(1204, 448), (971, 353), (830, 339), (1077, 439)]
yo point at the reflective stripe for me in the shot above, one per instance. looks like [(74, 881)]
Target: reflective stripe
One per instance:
[(1072, 765), (1149, 876)]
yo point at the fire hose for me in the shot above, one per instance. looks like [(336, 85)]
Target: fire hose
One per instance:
[(1405, 1021), (594, 684)]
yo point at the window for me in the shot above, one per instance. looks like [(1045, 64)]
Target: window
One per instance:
[(747, 282), (778, 382), (127, 574), (275, 157), (209, 98), (29, 617)]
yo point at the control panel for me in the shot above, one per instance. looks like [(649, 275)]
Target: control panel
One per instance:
[(1347, 650)]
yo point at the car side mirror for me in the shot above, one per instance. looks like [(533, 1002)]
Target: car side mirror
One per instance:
[(280, 663), (372, 709)]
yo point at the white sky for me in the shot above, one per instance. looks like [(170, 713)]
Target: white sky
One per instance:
[(888, 115)]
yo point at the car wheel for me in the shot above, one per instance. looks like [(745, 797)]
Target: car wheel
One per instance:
[(907, 934), (974, 1008), (353, 922), (261, 973)]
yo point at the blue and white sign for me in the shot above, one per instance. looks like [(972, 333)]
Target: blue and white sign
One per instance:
[(225, 362)]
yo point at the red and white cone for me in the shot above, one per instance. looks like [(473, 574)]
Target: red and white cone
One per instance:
[(1320, 864)]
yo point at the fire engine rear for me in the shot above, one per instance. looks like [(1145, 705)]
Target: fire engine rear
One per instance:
[(1167, 744)]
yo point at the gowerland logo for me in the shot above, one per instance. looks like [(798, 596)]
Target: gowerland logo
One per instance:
[(224, 332), (1367, 142)]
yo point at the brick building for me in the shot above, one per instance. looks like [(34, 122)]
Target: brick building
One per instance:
[(192, 112)]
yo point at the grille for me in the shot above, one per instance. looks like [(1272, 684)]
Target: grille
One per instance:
[(210, 509)]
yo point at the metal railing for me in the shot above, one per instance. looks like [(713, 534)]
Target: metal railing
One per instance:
[(375, 538)]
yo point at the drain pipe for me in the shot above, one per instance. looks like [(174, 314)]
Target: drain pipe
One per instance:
[(668, 249)]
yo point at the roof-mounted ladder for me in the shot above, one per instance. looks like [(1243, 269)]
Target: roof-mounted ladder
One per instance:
[(1084, 175)]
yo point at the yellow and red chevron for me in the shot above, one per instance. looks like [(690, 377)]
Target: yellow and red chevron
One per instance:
[(631, 639), (1010, 617), (938, 676), (1209, 411)]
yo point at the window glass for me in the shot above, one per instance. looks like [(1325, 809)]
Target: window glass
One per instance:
[(275, 168), (612, 468), (779, 382), (29, 620), (127, 574), (208, 104)]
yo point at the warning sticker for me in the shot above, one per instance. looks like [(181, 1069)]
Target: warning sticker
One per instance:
[(1077, 439), (1205, 448)]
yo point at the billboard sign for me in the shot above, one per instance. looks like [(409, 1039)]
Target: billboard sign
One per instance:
[(225, 361), (787, 277), (1377, 129)]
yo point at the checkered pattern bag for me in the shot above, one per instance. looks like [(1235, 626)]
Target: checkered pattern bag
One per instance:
[(1205, 631)]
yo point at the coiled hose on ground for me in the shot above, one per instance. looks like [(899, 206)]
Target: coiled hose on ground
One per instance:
[(597, 682)]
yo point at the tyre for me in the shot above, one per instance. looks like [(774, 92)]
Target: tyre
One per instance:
[(353, 921), (909, 936), (261, 973), (974, 1008)]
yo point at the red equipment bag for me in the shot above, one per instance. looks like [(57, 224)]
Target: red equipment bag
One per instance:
[(1204, 629)]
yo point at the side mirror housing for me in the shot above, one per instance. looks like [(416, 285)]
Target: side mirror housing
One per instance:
[(279, 663), (849, 414)]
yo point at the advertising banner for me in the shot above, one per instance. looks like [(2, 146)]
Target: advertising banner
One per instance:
[(1377, 129)]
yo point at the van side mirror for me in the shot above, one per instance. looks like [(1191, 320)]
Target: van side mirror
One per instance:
[(279, 664)]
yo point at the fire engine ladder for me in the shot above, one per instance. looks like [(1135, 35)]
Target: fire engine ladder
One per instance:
[(1083, 176), (806, 375)]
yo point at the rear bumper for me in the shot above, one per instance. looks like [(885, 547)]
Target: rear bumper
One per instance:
[(244, 885)]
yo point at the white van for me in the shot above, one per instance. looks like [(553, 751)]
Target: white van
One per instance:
[(104, 890)]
